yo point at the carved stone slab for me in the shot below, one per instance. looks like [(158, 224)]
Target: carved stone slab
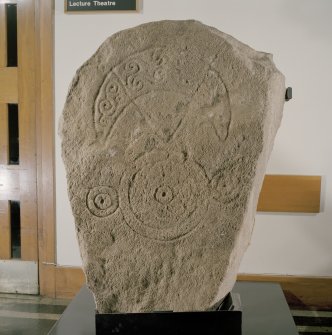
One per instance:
[(166, 134)]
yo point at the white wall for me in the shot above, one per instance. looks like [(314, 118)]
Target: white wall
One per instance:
[(299, 35)]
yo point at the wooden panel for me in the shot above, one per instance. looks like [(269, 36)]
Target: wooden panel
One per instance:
[(27, 127), (68, 281), (5, 231), (29, 249), (299, 291), (284, 193), (10, 183), (45, 146), (8, 85), (14, 182), (47, 279), (4, 140), (3, 36)]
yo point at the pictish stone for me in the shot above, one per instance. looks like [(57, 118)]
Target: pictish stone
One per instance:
[(166, 133)]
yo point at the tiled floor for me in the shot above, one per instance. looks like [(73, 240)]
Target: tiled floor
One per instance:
[(29, 315), (312, 322), (34, 315)]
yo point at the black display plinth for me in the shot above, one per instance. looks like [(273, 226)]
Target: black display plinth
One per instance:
[(264, 311), (226, 319)]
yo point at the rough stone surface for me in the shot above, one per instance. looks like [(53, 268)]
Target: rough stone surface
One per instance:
[(166, 134)]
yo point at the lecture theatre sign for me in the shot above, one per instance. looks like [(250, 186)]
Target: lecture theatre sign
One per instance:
[(73, 6)]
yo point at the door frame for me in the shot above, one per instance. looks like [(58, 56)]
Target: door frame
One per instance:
[(44, 69)]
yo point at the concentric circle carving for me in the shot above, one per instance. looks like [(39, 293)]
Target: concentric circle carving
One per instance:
[(102, 201), (164, 201), (164, 194)]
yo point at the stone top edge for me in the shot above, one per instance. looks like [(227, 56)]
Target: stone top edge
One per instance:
[(190, 24)]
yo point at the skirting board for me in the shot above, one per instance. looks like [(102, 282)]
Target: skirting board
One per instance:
[(299, 291)]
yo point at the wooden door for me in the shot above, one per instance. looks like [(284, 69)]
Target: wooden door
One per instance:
[(18, 163)]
